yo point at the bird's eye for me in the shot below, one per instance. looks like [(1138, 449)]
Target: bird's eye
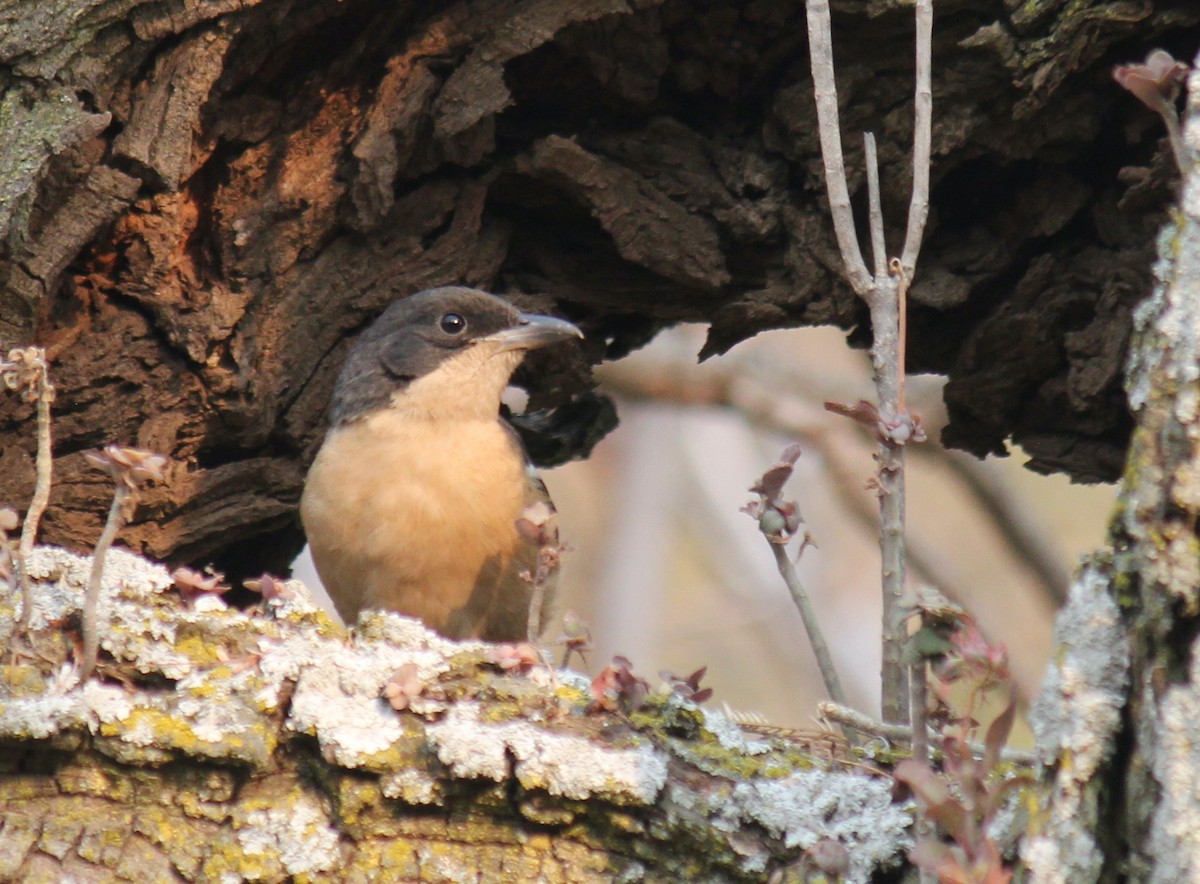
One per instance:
[(453, 324)]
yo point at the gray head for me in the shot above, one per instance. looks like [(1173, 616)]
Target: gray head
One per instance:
[(454, 347)]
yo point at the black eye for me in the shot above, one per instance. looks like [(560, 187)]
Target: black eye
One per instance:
[(453, 324)]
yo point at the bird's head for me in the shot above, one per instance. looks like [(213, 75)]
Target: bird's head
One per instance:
[(446, 352)]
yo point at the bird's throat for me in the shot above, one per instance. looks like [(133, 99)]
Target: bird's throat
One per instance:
[(467, 386)]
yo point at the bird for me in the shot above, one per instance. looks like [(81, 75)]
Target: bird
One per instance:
[(412, 502)]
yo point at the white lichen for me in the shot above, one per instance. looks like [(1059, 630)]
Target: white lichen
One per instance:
[(1075, 717), (237, 673), (569, 765), (1175, 827), (730, 735), (411, 786), (850, 807), (297, 834)]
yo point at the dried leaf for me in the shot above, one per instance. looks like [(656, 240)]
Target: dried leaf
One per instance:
[(130, 466), (689, 687), (770, 486), (269, 587), (997, 733), (520, 657), (830, 856), (1155, 82), (192, 584)]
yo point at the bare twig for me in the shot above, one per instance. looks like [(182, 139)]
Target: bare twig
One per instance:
[(918, 703), (26, 370), (91, 601), (918, 686), (41, 495), (816, 638), (131, 469), (538, 524), (918, 207), (884, 295), (874, 206), (918, 694), (900, 733), (1179, 150), (891, 541), (779, 520), (820, 47)]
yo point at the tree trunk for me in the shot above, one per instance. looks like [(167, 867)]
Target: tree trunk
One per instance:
[(200, 203), (1118, 713), (231, 746)]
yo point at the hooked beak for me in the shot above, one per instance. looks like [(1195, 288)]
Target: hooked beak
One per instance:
[(534, 331)]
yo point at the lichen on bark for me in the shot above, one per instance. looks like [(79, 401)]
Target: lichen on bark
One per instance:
[(258, 746), (1129, 811)]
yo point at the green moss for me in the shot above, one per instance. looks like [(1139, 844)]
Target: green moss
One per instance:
[(709, 755)]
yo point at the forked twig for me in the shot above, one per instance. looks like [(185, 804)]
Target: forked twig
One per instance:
[(884, 294)]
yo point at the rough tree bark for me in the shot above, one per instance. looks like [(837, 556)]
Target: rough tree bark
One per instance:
[(1118, 714), (199, 203), (232, 746)]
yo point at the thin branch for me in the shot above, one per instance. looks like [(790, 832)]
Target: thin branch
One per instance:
[(768, 405), (130, 468), (918, 208), (91, 602), (918, 693), (26, 371), (874, 207), (41, 488), (902, 282), (833, 685), (1175, 136), (894, 570), (899, 733), (820, 50)]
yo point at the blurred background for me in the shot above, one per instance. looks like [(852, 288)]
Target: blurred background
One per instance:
[(668, 572)]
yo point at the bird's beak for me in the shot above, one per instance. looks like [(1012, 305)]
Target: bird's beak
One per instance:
[(534, 331)]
